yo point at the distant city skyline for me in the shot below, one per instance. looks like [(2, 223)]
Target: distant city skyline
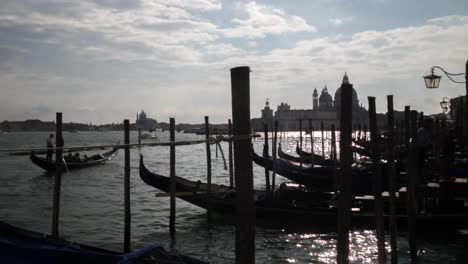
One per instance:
[(101, 61)]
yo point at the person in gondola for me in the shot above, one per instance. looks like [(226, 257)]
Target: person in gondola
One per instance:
[(77, 158), (69, 157), (50, 147)]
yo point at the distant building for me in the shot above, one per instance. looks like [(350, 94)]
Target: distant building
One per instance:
[(324, 109), (27, 125), (145, 123)]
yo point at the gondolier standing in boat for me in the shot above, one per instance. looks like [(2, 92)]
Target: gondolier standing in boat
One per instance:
[(50, 147)]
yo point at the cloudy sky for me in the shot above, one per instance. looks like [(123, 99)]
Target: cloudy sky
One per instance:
[(101, 61)]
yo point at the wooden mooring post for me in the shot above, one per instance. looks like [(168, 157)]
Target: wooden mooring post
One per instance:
[(215, 130), (346, 158), (466, 111), (300, 139), (58, 175), (407, 126), (377, 181), (265, 154), (139, 135), (412, 171), (334, 158), (231, 172), (127, 219), (245, 224), (274, 153), (311, 130), (172, 158), (300, 133), (392, 180), (208, 161), (323, 139)]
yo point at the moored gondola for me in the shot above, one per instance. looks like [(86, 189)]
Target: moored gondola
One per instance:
[(318, 159), (50, 165), (316, 177), (304, 159), (22, 246), (292, 205)]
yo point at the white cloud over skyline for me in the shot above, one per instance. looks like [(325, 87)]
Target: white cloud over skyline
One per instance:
[(172, 58)]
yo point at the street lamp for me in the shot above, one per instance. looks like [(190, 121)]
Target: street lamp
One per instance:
[(432, 81)]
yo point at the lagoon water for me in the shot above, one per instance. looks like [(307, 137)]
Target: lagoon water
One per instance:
[(92, 207)]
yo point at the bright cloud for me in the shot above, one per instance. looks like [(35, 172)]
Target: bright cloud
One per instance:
[(263, 20)]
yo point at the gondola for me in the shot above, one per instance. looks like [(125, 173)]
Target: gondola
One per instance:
[(22, 246), (290, 204), (318, 159), (71, 165), (305, 159), (316, 177)]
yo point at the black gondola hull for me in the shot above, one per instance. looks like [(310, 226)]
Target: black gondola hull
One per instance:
[(92, 161), (273, 208)]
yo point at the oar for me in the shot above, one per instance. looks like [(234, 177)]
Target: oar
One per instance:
[(65, 164)]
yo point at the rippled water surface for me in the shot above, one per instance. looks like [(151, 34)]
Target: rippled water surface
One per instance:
[(92, 206)]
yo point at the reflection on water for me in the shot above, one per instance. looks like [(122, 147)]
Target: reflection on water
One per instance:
[(92, 205)]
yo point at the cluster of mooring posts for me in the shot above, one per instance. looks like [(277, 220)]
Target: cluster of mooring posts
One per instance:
[(398, 143)]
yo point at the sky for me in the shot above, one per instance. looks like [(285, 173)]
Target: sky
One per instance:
[(101, 61)]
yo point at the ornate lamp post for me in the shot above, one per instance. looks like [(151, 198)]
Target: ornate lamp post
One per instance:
[(432, 81)]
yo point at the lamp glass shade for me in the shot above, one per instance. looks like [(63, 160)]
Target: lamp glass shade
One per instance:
[(432, 81)]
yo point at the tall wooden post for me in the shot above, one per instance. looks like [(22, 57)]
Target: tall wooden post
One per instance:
[(58, 175), (300, 139), (377, 180), (323, 139), (139, 136), (391, 170), (413, 123), (346, 157), (215, 130), (311, 130), (231, 172), (208, 161), (300, 133), (172, 176), (127, 219), (274, 149), (265, 154), (407, 126), (245, 225), (412, 171), (334, 158), (466, 109)]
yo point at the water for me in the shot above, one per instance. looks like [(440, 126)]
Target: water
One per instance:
[(92, 206)]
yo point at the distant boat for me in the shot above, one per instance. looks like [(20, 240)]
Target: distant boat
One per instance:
[(23, 246), (70, 165), (74, 131), (148, 136)]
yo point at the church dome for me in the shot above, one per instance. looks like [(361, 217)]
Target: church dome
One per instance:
[(325, 99), (355, 101)]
